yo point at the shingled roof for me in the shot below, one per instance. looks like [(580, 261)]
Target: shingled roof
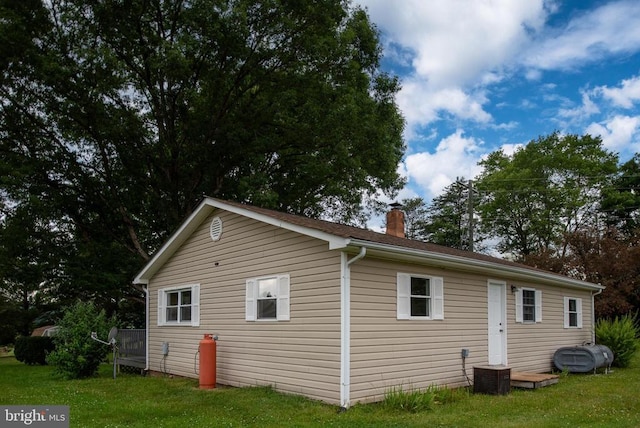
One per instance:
[(353, 237), (352, 232)]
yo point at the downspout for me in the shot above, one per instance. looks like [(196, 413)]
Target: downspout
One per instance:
[(345, 326), (146, 328), (593, 315), (361, 254)]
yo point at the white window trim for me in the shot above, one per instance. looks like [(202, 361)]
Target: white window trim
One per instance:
[(282, 296), (195, 306), (538, 306), (578, 312), (403, 303)]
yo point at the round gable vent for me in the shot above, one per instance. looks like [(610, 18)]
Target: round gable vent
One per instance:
[(215, 230)]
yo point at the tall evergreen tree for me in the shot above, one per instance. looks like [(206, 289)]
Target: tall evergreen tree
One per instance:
[(448, 215)]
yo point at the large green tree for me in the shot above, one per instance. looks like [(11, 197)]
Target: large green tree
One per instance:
[(621, 202), (118, 116), (547, 189)]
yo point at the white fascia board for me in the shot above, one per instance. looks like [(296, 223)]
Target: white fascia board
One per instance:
[(335, 242), (204, 209), (447, 261), (174, 242)]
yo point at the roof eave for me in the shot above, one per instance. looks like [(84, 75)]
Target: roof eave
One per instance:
[(334, 241), (202, 211), (432, 258), (174, 242), (448, 261)]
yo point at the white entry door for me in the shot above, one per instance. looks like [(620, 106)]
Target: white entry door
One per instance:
[(497, 323)]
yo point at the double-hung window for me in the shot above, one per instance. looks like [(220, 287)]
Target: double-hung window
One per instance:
[(267, 298), (179, 305), (528, 305), (419, 297), (572, 312)]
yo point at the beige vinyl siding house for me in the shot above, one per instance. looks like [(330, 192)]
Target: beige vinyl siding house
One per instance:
[(301, 355), (387, 352), (342, 314)]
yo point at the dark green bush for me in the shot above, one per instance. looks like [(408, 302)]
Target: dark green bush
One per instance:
[(76, 354), (620, 335), (33, 349)]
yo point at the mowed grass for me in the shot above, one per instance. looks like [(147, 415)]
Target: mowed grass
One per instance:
[(602, 400)]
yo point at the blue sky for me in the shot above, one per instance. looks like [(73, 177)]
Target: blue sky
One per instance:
[(480, 75)]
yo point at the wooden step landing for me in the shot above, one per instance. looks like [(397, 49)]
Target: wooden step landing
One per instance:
[(532, 380)]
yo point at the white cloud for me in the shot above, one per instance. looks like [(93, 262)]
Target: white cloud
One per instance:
[(527, 104), (458, 48), (533, 75), (456, 40), (455, 156), (619, 133), (624, 96), (422, 104), (610, 29), (506, 126), (584, 111)]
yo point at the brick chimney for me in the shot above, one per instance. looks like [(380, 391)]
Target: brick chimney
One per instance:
[(395, 221)]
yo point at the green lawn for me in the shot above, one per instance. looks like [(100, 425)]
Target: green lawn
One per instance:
[(611, 400)]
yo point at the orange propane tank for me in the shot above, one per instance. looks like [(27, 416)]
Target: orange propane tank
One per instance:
[(207, 362)]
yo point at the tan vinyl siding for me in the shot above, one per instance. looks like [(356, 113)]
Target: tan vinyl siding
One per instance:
[(531, 346), (303, 355), (386, 352), (298, 356)]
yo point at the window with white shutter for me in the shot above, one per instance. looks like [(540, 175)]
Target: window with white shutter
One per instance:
[(528, 305), (179, 306), (419, 297), (267, 298), (572, 312)]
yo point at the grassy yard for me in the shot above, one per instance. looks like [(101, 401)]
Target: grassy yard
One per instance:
[(134, 401)]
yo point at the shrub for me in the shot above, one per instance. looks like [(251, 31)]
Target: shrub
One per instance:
[(620, 336), (33, 349), (417, 400), (76, 354)]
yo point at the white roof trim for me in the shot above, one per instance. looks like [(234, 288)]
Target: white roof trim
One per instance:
[(207, 206), (204, 209), (335, 242), (174, 242), (473, 265)]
